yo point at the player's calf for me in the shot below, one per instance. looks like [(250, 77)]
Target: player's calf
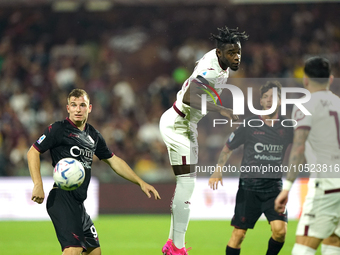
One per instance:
[(237, 238), (274, 247), (275, 243)]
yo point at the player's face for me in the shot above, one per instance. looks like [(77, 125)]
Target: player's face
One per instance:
[(230, 56), (79, 109), (267, 100)]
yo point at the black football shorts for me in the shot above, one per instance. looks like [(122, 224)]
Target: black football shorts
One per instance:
[(251, 204), (73, 226)]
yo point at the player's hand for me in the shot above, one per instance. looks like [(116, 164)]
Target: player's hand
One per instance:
[(227, 112), (147, 188), (214, 180), (38, 194), (281, 201)]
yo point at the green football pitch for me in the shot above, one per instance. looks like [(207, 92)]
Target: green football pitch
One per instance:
[(138, 234)]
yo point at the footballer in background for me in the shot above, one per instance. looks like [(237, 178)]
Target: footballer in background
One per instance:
[(264, 145)]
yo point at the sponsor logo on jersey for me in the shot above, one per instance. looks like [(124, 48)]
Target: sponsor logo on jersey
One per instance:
[(42, 138), (271, 148), (326, 103), (264, 157), (75, 151), (299, 115)]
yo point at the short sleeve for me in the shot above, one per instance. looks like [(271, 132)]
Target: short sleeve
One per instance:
[(302, 121), (48, 139), (209, 74), (237, 138), (102, 151)]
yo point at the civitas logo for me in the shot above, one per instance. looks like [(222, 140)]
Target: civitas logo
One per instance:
[(271, 148), (238, 99)]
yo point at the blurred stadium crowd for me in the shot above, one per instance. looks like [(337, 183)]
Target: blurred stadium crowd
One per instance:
[(132, 61)]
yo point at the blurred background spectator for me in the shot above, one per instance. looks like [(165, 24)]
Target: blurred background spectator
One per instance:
[(132, 60)]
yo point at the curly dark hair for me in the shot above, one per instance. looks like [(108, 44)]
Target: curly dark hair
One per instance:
[(228, 36)]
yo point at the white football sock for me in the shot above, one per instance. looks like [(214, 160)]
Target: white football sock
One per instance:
[(185, 185), (300, 249), (329, 250), (171, 232)]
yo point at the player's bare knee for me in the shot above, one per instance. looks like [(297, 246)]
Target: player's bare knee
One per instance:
[(279, 230), (279, 234), (237, 237)]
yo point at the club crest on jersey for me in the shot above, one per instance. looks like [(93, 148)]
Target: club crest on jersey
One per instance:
[(299, 115), (91, 140), (41, 139)]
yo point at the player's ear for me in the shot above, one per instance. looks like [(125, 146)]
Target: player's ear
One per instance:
[(331, 79), (218, 52), (68, 108), (90, 108), (305, 81)]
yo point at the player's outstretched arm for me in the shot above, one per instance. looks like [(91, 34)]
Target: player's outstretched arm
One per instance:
[(122, 169), (216, 177), (193, 94), (296, 158), (33, 159)]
